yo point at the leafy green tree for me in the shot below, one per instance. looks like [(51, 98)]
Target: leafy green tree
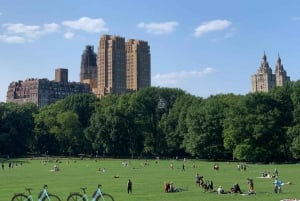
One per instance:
[(68, 133), (293, 133), (284, 104), (103, 129), (153, 103), (16, 128), (174, 124), (45, 142), (253, 125), (82, 104), (204, 138), (53, 125)]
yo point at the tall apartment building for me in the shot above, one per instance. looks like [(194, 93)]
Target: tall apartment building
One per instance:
[(138, 65), (122, 66), (43, 92), (111, 71), (264, 80), (88, 67)]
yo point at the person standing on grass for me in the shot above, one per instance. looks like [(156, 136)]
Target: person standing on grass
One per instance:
[(183, 167), (129, 186), (276, 172)]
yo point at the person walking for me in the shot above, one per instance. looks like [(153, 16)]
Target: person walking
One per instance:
[(129, 186)]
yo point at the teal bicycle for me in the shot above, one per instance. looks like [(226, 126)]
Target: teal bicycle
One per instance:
[(97, 196), (43, 196)]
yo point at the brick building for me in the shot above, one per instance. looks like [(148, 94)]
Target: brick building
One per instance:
[(43, 92)]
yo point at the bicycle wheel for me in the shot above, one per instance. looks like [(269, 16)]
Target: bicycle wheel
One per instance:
[(19, 197), (76, 197), (106, 197), (51, 198)]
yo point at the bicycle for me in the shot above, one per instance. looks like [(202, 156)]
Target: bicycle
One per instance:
[(97, 196), (43, 196)]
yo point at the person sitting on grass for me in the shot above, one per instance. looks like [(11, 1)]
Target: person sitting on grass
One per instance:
[(250, 186), (220, 190), (236, 188), (166, 187), (170, 188)]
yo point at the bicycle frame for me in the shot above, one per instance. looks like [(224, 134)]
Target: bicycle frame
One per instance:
[(95, 196), (98, 193), (44, 194)]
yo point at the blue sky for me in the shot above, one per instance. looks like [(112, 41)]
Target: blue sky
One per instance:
[(203, 47)]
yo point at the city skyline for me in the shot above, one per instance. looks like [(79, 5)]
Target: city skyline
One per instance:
[(201, 47)]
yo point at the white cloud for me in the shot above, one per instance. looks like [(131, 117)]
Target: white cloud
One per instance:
[(21, 33), (214, 25), (50, 28), (12, 39), (87, 24), (175, 77), (69, 35), (159, 28), (29, 32)]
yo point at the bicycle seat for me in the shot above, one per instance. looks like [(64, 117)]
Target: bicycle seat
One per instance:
[(83, 188), (29, 190)]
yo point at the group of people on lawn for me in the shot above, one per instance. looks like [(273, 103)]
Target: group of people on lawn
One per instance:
[(208, 185)]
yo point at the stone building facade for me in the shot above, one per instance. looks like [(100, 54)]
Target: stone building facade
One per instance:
[(265, 80), (111, 61), (138, 65), (122, 66), (43, 92)]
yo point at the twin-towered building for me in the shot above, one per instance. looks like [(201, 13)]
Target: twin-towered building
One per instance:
[(265, 80), (119, 67)]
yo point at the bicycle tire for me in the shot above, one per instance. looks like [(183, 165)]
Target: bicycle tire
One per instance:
[(19, 197), (52, 197), (76, 197), (107, 197)]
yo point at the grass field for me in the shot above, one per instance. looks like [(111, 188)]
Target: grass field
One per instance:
[(147, 180)]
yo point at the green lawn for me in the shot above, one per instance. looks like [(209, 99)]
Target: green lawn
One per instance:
[(147, 180)]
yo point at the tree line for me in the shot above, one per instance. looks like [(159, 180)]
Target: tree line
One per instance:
[(163, 122)]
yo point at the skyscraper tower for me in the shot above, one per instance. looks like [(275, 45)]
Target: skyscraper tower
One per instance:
[(88, 68), (111, 70), (138, 65), (280, 73)]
